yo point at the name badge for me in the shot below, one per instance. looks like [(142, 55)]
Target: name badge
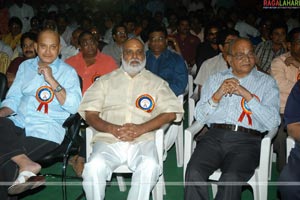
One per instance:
[(145, 102), (44, 95)]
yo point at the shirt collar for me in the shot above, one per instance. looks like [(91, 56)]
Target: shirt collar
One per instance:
[(139, 74), (165, 53)]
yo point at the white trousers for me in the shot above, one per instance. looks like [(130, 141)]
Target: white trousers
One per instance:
[(141, 159)]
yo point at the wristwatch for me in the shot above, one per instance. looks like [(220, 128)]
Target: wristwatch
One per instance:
[(58, 88)]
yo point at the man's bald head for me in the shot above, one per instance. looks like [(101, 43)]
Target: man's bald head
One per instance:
[(47, 46)]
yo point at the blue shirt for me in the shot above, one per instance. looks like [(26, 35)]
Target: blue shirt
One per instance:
[(21, 98), (292, 107), (265, 111), (171, 67)]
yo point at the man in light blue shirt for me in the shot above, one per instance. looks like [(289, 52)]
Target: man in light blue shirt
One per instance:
[(239, 105), (45, 92)]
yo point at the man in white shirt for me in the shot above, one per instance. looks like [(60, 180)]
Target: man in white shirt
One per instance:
[(23, 11), (125, 107), (217, 63)]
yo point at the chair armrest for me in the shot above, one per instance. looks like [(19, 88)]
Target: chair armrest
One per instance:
[(272, 133), (159, 143), (194, 128), (265, 154), (189, 135), (71, 120)]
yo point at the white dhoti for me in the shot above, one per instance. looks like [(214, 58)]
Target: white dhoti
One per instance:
[(140, 157)]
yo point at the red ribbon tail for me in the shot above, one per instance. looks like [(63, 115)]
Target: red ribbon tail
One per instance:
[(40, 107), (249, 120), (46, 108), (241, 117)]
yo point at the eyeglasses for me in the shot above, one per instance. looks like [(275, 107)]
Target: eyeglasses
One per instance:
[(157, 39), (89, 42), (121, 33), (241, 56)]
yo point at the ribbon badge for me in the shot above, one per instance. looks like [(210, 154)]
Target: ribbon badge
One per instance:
[(246, 111), (145, 102), (44, 95)]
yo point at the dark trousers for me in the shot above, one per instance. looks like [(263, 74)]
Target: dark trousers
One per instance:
[(289, 179), (279, 146), (235, 153), (13, 142)]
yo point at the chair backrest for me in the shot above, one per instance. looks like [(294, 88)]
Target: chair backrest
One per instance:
[(4, 62), (3, 86)]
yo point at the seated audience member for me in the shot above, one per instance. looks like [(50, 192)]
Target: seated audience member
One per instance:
[(113, 49), (291, 172), (217, 63), (239, 105), (35, 25), (268, 50), (73, 48), (6, 49), (109, 25), (23, 11), (90, 64), (125, 126), (286, 71), (97, 35), (45, 92), (264, 30), (186, 41), (129, 23), (246, 26), (27, 44), (13, 37), (165, 63), (63, 29), (50, 23), (209, 48)]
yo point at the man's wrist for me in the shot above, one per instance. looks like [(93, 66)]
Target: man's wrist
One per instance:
[(58, 88)]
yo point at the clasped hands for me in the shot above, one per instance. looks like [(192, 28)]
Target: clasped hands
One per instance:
[(229, 87), (127, 132)]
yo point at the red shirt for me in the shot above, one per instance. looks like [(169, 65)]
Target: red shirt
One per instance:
[(104, 64), (188, 47)]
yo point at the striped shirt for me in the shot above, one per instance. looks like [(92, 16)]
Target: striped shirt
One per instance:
[(265, 54), (265, 111)]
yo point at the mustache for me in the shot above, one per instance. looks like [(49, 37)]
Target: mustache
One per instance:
[(29, 51), (134, 60)]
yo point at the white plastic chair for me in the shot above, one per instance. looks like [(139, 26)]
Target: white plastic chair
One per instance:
[(159, 189), (175, 135), (290, 143), (193, 97), (259, 180)]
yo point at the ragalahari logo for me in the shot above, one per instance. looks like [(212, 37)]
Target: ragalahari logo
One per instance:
[(281, 4)]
